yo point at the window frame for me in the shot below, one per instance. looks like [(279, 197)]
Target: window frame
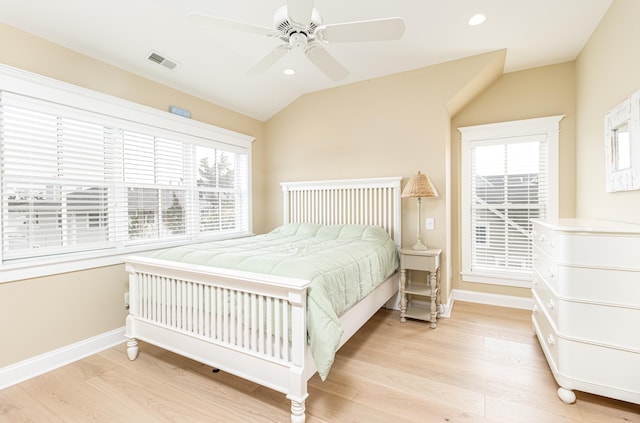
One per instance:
[(136, 117), (549, 128)]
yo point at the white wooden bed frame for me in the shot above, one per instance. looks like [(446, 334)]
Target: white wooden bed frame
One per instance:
[(219, 317)]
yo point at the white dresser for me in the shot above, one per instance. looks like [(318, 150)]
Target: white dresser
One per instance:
[(586, 287)]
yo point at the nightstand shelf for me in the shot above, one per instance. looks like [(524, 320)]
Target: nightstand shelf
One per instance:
[(418, 313), (420, 300), (416, 289)]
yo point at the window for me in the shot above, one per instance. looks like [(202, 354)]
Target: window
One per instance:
[(87, 179), (509, 176)]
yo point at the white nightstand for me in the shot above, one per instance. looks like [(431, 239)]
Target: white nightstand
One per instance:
[(420, 300)]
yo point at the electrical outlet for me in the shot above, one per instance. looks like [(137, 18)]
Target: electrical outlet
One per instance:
[(126, 300), (430, 224)]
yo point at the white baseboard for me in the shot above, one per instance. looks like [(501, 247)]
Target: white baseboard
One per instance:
[(445, 309), (482, 298), (35, 366), (490, 299)]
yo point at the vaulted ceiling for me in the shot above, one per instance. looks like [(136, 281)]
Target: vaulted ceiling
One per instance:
[(214, 56)]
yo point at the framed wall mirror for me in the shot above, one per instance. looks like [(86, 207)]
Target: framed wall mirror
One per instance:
[(622, 145)]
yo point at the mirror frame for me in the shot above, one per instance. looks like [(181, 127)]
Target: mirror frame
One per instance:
[(626, 113)]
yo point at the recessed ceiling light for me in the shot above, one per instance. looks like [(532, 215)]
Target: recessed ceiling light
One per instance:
[(289, 71), (477, 19)]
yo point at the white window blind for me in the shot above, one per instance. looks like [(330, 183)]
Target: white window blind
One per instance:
[(509, 186), (222, 189), (55, 182), (509, 176), (155, 179), (75, 181)]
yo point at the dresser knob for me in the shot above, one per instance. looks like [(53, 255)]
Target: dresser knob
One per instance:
[(551, 304), (551, 340), (535, 308)]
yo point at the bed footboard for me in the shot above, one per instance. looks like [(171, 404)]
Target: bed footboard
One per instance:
[(250, 325)]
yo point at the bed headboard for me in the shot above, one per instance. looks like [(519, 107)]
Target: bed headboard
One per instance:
[(372, 201)]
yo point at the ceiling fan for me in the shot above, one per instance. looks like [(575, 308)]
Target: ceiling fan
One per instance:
[(299, 26)]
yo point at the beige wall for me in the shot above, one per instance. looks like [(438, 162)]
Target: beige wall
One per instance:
[(392, 126), (539, 92), (608, 71), (42, 314)]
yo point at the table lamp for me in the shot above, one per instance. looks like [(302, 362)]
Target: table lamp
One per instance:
[(421, 187)]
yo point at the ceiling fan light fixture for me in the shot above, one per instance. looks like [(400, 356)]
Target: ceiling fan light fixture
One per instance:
[(477, 19), (298, 40)]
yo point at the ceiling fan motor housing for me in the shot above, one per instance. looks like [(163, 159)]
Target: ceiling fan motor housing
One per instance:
[(288, 29)]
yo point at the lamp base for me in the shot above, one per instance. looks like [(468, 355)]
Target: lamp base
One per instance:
[(419, 246)]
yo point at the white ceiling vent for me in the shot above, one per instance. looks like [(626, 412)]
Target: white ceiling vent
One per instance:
[(161, 60)]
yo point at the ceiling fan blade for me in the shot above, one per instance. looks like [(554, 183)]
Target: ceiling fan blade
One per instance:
[(230, 24), (299, 13), (271, 58), (374, 30), (326, 63)]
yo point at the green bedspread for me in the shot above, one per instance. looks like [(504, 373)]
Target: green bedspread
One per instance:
[(343, 262)]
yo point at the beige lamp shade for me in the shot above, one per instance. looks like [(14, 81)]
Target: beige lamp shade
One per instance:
[(419, 186)]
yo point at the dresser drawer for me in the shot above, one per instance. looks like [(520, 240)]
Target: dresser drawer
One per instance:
[(546, 301), (611, 326), (602, 370), (605, 369), (613, 287), (545, 239), (604, 251), (597, 323), (547, 336), (604, 286), (545, 268)]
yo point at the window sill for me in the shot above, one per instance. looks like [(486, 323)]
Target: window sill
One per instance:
[(515, 280), (28, 269)]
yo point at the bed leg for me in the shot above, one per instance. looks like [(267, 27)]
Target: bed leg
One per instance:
[(297, 412), (132, 349)]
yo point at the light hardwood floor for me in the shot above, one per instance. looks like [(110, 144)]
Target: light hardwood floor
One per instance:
[(481, 365)]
